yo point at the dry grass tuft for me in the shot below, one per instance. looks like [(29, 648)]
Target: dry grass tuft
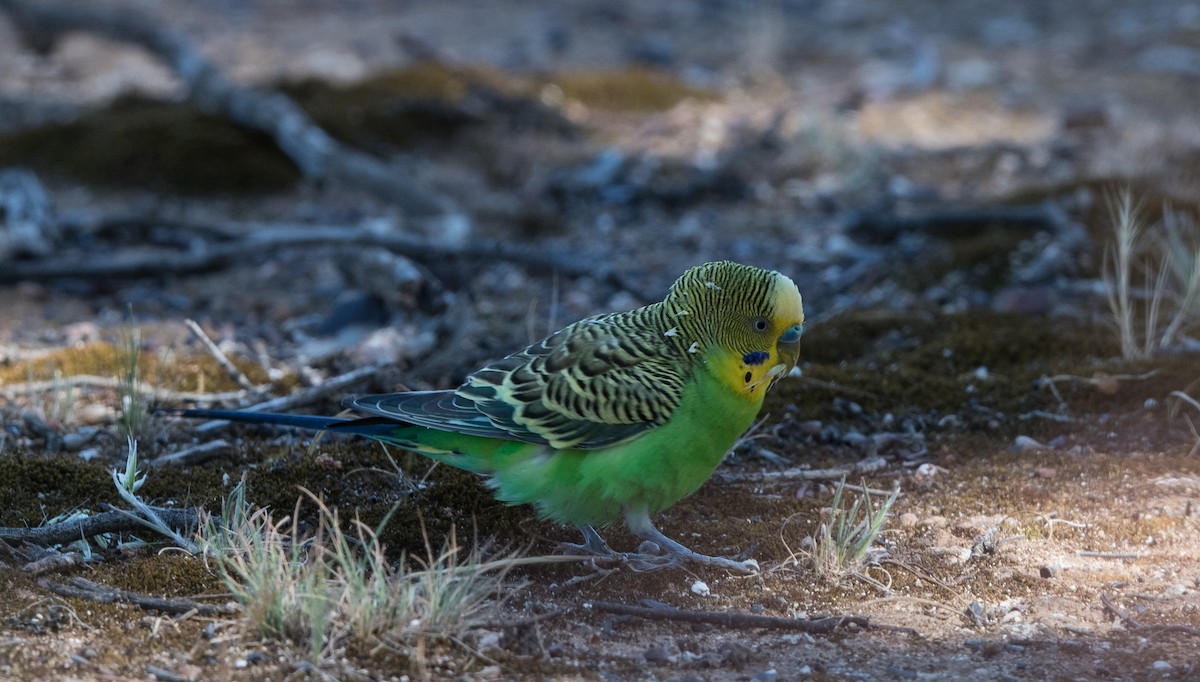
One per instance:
[(1167, 256)]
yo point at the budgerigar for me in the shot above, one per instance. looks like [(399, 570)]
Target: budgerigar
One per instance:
[(618, 415)]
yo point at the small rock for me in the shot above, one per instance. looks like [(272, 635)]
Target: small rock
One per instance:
[(657, 655), (1027, 444), (256, 657), (89, 454), (734, 653), (700, 588), (80, 438), (491, 672), (390, 345), (925, 473), (1047, 571), (811, 427), (1045, 472), (1162, 665), (95, 414), (488, 641), (766, 676), (353, 308), (908, 519)]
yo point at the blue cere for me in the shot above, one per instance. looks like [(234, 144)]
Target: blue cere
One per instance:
[(756, 358)]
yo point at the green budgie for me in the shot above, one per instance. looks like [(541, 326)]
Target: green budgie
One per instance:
[(617, 415)]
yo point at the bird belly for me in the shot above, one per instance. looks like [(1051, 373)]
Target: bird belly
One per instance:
[(652, 471)]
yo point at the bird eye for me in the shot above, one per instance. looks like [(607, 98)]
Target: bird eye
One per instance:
[(760, 324)]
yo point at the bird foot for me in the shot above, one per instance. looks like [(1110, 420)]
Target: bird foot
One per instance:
[(651, 555)]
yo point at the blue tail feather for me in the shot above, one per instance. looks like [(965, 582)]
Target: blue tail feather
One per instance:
[(299, 421)]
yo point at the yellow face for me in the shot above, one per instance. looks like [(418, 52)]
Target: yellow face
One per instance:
[(766, 346)]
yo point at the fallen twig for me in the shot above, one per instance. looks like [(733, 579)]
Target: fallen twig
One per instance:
[(273, 238), (866, 466), (222, 359), (745, 620), (1133, 624), (194, 455), (1108, 555), (52, 562), (98, 524), (871, 491), (113, 383), (1043, 414), (315, 153), (86, 589)]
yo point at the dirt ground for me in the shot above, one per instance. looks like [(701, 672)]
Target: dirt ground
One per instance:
[(933, 175)]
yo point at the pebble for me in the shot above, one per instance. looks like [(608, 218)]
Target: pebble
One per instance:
[(766, 676), (1162, 665), (1047, 571), (80, 438), (908, 519), (657, 655), (89, 454), (95, 414), (1045, 472), (701, 588), (1027, 444)]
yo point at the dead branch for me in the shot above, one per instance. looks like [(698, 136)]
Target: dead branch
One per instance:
[(317, 155), (52, 562), (820, 626), (194, 455), (118, 521), (85, 589), (131, 264), (869, 465)]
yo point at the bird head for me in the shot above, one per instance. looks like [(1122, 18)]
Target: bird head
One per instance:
[(748, 320)]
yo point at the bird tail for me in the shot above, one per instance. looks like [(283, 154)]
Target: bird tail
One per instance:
[(299, 421), (443, 446), (371, 427)]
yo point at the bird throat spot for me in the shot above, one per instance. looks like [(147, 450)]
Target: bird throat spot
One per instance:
[(756, 358)]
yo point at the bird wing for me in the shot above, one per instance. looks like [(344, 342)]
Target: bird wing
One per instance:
[(598, 382)]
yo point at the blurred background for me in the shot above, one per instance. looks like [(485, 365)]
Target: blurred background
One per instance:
[(950, 155)]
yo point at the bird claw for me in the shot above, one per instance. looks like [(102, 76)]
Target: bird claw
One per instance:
[(650, 556)]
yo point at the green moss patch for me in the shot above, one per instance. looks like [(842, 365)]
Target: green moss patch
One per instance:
[(631, 89), (191, 373)]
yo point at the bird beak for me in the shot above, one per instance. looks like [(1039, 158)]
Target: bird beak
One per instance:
[(789, 346)]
